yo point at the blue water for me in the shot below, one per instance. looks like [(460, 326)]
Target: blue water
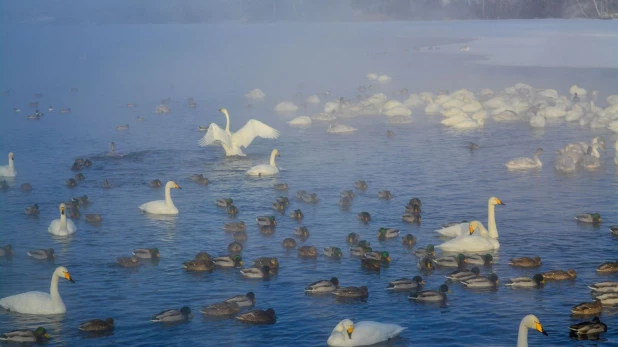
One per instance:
[(217, 65)]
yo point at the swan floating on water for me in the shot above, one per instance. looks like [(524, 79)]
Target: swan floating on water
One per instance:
[(9, 170), (62, 226), (266, 169), (286, 106), (348, 333), (255, 94), (300, 121), (313, 99), (39, 302), (481, 242), (162, 206), (526, 163), (233, 142), (340, 128)]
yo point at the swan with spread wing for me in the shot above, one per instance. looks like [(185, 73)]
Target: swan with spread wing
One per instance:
[(234, 142)]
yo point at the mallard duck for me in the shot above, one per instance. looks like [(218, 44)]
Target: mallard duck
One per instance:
[(76, 166), (364, 243), (6, 251), (271, 262), (323, 286), (352, 238), (390, 133), (525, 262), (241, 236), (229, 261), (310, 198), (347, 194), (333, 252), (614, 230), (184, 314), (360, 185), (42, 254), (146, 253), (283, 200), (451, 261), (608, 298), (352, 292), (426, 264), (281, 186), (431, 295), (87, 163), (411, 218), (472, 146), (82, 200), (300, 193), (297, 214), (200, 179), (106, 184), (258, 317), (244, 301), (79, 176), (32, 210), (128, 261), (302, 232), (526, 282), (202, 256), (608, 267), (199, 265), (266, 221), (477, 259), (279, 206), (345, 202), (591, 218), (232, 210), (415, 202), (604, 287), (234, 247), (371, 264), (254, 272), (25, 335), (97, 325), (307, 252), (364, 217), (234, 227), (93, 218), (71, 183), (588, 308), (385, 195), (221, 309), (413, 210), (409, 240), (559, 275), (288, 243), (588, 328), (380, 256), (461, 275), (428, 251), (26, 187), (73, 213), (490, 281), (387, 233), (415, 283), (224, 202), (156, 183)]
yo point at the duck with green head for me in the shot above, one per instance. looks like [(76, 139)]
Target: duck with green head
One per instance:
[(225, 202), (431, 295), (333, 252), (406, 284), (24, 335), (382, 256), (428, 251), (451, 261), (387, 233), (297, 214), (266, 221), (536, 281), (230, 261), (490, 281), (589, 218), (364, 217), (409, 240), (352, 238), (426, 264)]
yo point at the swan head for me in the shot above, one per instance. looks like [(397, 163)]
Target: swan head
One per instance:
[(62, 208), (538, 151), (532, 322), (224, 111), (276, 153), (495, 201), (11, 156), (346, 326), (62, 272), (473, 226), (172, 184)]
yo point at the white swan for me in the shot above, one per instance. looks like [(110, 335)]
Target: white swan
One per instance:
[(9, 170), (470, 124), (232, 143), (481, 242), (528, 322), (62, 226), (463, 228), (162, 206), (372, 76), (300, 121), (313, 99), (286, 106), (616, 154), (266, 169), (526, 163), (255, 94), (537, 121), (384, 79), (39, 302), (340, 128), (348, 333)]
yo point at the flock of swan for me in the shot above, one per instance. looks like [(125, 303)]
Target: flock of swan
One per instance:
[(470, 242)]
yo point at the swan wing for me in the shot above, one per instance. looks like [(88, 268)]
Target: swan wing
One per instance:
[(215, 134), (454, 230), (369, 332), (254, 128), (30, 303)]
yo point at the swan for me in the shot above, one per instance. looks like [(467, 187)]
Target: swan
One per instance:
[(340, 128), (232, 143), (39, 302), (313, 99), (384, 79), (266, 169), (9, 170), (616, 154), (482, 242), (162, 206), (348, 333), (300, 121), (286, 106), (528, 322), (526, 163), (537, 121), (463, 228), (372, 76), (255, 94), (470, 124), (62, 226)]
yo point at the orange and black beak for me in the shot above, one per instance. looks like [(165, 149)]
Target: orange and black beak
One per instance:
[(67, 276)]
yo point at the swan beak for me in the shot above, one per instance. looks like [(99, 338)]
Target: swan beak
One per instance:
[(499, 202), (67, 276), (62, 210), (177, 187), (13, 157), (350, 330), (540, 329), (471, 229)]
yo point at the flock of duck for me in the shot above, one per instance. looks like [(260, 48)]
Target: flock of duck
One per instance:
[(470, 242)]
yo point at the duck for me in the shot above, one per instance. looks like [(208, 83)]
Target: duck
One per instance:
[(235, 226), (266, 221), (82, 200), (455, 230), (279, 206), (462, 275), (221, 309), (604, 287), (526, 163), (406, 284), (288, 243), (387, 233), (364, 217), (588, 308), (323, 286), (254, 272), (241, 236), (428, 251), (347, 194), (489, 281), (39, 303), (310, 198), (302, 232), (528, 322), (106, 184), (200, 179), (199, 265), (97, 325), (165, 207), (79, 176), (258, 317), (411, 218), (267, 230), (409, 240), (360, 251), (477, 259), (307, 252), (352, 238), (9, 170), (42, 254), (202, 256), (333, 252), (337, 128), (426, 264), (173, 315), (25, 187), (614, 230), (559, 275), (6, 251), (608, 267), (233, 143), (128, 261), (360, 185), (146, 253), (71, 183), (347, 333), (32, 210), (39, 335), (451, 261), (242, 300), (344, 202), (589, 218), (431, 295), (380, 256), (371, 264), (525, 262), (594, 327), (234, 248), (232, 210), (224, 202), (93, 218), (385, 195), (297, 214), (608, 298), (229, 261), (526, 282), (352, 292), (280, 186), (122, 127), (156, 183), (62, 226)]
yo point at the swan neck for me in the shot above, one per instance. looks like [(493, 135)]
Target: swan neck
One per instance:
[(491, 221), (227, 124), (272, 158), (522, 337), (53, 289), (11, 164), (168, 196), (537, 161), (113, 148), (63, 224)]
